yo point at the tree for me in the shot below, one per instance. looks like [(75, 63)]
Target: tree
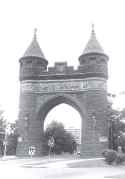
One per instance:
[(2, 131), (8, 135), (64, 141), (116, 129), (12, 139), (122, 130)]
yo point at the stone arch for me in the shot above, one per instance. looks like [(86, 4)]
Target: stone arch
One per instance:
[(58, 99), (55, 100)]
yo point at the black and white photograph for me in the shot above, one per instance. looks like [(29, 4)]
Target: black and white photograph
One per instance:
[(62, 89)]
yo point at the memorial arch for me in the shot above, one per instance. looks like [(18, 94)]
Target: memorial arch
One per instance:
[(43, 87)]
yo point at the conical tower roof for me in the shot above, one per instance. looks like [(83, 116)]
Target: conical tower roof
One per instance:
[(34, 49), (93, 46)]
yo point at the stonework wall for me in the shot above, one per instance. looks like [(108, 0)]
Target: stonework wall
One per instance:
[(35, 107), (95, 139), (85, 89)]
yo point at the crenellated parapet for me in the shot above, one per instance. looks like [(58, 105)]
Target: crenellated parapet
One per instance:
[(35, 70), (61, 67)]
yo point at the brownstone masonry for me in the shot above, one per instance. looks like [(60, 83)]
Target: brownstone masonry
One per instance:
[(43, 87)]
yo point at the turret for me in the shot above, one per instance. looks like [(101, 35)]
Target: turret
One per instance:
[(33, 63), (93, 60)]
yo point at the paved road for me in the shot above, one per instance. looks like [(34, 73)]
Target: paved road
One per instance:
[(43, 169)]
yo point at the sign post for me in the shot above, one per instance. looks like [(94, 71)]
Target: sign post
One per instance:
[(32, 151)]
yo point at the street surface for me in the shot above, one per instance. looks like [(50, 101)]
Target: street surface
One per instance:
[(38, 168)]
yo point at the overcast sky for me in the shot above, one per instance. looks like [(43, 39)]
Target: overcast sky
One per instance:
[(64, 27)]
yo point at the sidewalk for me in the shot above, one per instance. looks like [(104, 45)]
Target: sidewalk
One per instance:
[(5, 158), (66, 164), (58, 163), (53, 168)]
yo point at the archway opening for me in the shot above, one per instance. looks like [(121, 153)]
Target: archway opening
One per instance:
[(65, 114), (69, 117)]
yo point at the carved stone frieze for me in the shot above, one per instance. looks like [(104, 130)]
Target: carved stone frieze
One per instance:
[(39, 86)]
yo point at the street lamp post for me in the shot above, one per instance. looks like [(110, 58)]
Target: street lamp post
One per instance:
[(110, 135), (118, 143), (5, 145), (7, 130)]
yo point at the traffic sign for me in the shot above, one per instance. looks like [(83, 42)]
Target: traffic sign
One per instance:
[(51, 142), (32, 150)]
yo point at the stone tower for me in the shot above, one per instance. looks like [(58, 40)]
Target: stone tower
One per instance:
[(42, 88)]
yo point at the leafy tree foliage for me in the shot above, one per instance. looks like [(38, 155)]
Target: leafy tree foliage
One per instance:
[(12, 139), (2, 131), (116, 129), (122, 130), (8, 129), (64, 141)]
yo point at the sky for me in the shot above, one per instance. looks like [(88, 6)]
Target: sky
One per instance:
[(69, 113), (64, 27)]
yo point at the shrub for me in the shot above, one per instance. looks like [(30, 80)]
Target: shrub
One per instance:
[(109, 155), (120, 158)]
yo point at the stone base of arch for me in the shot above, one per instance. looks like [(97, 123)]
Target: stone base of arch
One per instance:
[(36, 107), (86, 150)]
